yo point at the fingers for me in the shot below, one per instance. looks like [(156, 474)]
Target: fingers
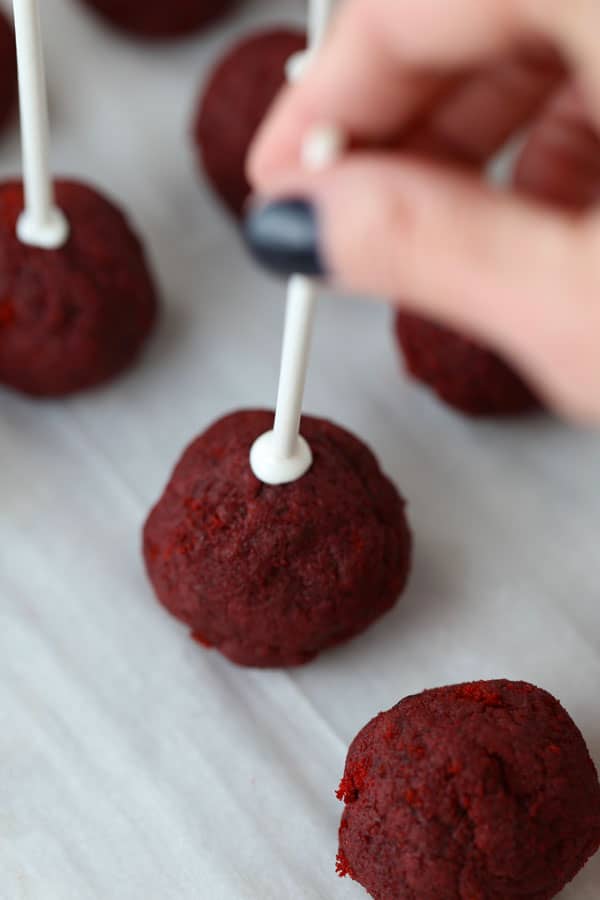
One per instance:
[(573, 27), (560, 162), (459, 248), (355, 82), (361, 80), (478, 117), (465, 119), (386, 62), (513, 274), (520, 276)]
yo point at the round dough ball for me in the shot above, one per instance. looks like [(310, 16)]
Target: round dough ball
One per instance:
[(482, 790), (233, 105), (463, 374), (270, 576), (74, 317)]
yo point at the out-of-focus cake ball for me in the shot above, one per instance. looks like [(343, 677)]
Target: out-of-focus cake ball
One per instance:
[(464, 374), (233, 104), (77, 316), (158, 19)]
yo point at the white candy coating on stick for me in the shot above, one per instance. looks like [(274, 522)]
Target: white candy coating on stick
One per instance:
[(282, 455), (41, 224)]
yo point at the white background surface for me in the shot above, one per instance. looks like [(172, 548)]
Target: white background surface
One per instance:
[(133, 764)]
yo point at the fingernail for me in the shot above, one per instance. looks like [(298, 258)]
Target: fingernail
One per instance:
[(283, 237)]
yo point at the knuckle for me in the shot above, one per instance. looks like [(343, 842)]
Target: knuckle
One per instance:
[(571, 354)]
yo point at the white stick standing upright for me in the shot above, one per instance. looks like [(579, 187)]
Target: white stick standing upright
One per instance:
[(41, 224), (319, 17), (282, 455)]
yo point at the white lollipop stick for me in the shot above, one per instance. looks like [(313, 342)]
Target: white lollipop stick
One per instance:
[(41, 224), (319, 17), (282, 455)]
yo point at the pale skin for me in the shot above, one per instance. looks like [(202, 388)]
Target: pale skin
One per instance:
[(430, 90)]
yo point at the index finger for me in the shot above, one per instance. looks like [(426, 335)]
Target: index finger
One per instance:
[(385, 63), (374, 98)]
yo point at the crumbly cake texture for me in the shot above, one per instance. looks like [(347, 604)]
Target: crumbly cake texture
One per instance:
[(74, 317), (234, 103), (272, 575), (463, 374), (483, 791)]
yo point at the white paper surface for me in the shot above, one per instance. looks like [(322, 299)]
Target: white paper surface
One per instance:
[(133, 764)]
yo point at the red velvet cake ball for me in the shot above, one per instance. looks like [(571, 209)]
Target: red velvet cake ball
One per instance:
[(8, 70), (233, 105), (270, 576), (462, 373), (156, 19), (74, 317), (484, 791)]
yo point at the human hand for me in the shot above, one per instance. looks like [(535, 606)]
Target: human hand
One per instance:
[(429, 91)]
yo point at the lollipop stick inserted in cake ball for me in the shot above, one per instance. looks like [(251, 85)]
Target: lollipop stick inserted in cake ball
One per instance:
[(158, 20), (77, 296), (41, 224), (282, 455)]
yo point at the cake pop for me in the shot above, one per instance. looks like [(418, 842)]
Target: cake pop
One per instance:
[(269, 543), (159, 19), (234, 103), (73, 317), (270, 575), (76, 297), (8, 70), (478, 790), (464, 374)]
